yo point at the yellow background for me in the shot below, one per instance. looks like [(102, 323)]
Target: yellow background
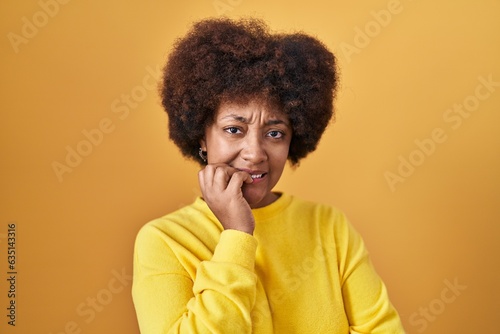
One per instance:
[(437, 225)]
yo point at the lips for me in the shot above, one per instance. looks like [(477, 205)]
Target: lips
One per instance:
[(254, 174)]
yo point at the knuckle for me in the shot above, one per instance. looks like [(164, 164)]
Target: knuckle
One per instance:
[(242, 175)]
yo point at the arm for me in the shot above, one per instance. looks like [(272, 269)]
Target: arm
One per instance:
[(220, 297), (218, 300), (365, 296)]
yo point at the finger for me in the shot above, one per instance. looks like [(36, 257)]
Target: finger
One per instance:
[(208, 174), (248, 178), (217, 176), (243, 177), (201, 181), (221, 178), (206, 179), (237, 181), (230, 170)]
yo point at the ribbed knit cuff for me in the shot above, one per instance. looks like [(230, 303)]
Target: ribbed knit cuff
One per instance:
[(236, 247)]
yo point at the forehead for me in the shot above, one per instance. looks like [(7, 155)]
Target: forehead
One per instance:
[(251, 110)]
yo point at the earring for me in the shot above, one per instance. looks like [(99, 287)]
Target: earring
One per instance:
[(203, 155)]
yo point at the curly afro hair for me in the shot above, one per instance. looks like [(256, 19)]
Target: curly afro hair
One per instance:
[(221, 60)]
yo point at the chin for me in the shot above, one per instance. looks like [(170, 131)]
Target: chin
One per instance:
[(254, 197)]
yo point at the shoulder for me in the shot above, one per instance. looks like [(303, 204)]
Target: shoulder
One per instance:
[(316, 210), (186, 222), (177, 241), (323, 217)]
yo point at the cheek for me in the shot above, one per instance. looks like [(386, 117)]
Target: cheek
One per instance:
[(281, 157), (286, 149), (220, 151)]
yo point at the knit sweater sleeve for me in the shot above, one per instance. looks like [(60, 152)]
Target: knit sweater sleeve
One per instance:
[(365, 296), (218, 300)]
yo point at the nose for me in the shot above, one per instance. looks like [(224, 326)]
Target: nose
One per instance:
[(253, 149)]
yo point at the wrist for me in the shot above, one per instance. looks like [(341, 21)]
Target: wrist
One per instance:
[(245, 229)]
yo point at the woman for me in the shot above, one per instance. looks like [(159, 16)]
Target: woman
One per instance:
[(244, 259)]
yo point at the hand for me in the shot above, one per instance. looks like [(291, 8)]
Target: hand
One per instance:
[(221, 188)]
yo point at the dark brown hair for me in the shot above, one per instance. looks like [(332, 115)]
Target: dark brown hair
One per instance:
[(235, 61)]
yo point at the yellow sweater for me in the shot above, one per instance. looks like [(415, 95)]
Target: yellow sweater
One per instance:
[(305, 270)]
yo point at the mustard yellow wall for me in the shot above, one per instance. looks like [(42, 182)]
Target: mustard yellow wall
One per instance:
[(413, 158)]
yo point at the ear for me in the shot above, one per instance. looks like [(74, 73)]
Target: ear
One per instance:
[(203, 144)]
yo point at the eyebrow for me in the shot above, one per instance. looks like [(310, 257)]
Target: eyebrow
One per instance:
[(246, 121)]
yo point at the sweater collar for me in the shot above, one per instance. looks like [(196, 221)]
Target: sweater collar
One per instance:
[(272, 209), (259, 214)]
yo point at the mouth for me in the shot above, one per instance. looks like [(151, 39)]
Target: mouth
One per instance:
[(256, 175)]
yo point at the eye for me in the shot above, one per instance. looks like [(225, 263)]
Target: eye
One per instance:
[(232, 130), (275, 134)]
